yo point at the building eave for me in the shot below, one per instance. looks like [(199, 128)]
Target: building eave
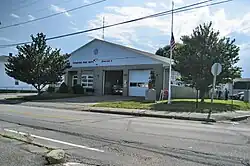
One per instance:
[(165, 61)]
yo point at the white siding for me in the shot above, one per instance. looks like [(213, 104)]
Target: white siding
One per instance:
[(108, 55), (7, 82), (174, 78)]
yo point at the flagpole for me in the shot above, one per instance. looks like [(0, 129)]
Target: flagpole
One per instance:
[(171, 54)]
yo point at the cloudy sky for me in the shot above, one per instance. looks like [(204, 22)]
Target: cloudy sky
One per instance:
[(231, 19)]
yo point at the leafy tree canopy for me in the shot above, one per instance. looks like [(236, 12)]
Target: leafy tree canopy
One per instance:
[(37, 63), (199, 51)]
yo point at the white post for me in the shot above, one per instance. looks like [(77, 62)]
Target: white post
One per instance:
[(163, 85), (164, 78), (171, 54), (212, 95)]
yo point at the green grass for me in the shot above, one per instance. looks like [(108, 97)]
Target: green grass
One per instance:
[(46, 96), (180, 105)]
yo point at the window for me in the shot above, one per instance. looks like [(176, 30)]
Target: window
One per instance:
[(87, 81), (74, 80), (16, 82), (139, 84), (242, 85), (133, 84)]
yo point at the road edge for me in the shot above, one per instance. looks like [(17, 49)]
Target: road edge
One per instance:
[(140, 114)]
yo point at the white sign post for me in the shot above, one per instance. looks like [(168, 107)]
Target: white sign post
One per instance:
[(215, 70)]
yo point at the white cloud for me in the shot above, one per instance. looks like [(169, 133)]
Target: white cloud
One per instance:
[(184, 22), (151, 4), (163, 5), (14, 15), (86, 1), (244, 59), (244, 46), (132, 12), (5, 39), (74, 28), (73, 23), (31, 17), (178, 1), (123, 34), (168, 4), (245, 24), (59, 9)]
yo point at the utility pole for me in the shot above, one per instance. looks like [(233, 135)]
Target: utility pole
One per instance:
[(171, 55), (103, 24)]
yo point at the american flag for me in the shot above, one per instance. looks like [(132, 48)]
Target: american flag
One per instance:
[(172, 41)]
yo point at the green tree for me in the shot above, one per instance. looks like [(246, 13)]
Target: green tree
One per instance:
[(199, 51), (165, 51), (37, 63)]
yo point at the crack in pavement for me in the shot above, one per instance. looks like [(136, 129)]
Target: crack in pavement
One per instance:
[(244, 136), (205, 155)]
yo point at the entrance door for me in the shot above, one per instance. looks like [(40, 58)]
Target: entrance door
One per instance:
[(113, 82), (138, 82)]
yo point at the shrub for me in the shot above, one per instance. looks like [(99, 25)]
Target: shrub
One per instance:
[(78, 89), (70, 90), (63, 88), (90, 90), (51, 89)]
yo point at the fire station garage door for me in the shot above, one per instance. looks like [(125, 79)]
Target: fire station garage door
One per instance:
[(138, 82)]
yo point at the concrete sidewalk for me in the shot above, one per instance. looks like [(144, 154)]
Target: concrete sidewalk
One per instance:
[(225, 116)]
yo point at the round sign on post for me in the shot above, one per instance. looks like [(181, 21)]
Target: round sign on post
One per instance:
[(216, 69)]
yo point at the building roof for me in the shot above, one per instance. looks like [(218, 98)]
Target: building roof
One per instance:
[(164, 60), (242, 80), (3, 58)]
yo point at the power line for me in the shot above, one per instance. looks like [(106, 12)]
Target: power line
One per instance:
[(52, 15), (107, 26), (178, 10)]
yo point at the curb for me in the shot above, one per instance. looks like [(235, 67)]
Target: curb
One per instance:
[(139, 114), (149, 115), (22, 139), (240, 118)]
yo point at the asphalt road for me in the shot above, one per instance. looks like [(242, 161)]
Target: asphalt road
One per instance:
[(16, 153), (103, 139)]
